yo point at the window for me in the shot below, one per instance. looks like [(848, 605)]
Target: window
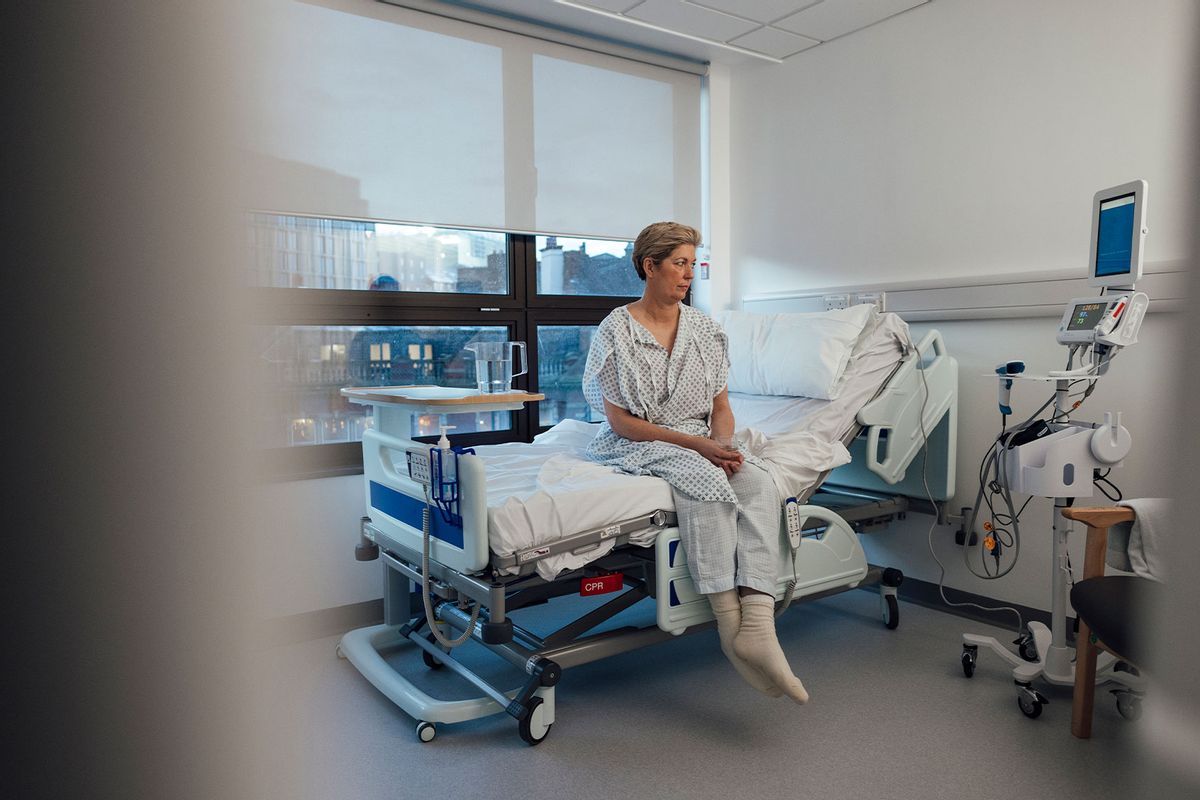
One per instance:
[(308, 253), (561, 355), (492, 137), (361, 303), (593, 267), (303, 368)]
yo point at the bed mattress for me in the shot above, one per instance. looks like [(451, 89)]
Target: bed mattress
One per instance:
[(541, 492)]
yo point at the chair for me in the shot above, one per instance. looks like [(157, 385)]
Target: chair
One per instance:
[(1110, 610)]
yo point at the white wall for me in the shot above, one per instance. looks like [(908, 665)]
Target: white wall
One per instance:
[(966, 138), (305, 546), (963, 137)]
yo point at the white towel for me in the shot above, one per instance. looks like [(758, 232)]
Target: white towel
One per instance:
[(1138, 546)]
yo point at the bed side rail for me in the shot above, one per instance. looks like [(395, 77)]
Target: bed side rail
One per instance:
[(618, 532), (893, 424), (395, 504)]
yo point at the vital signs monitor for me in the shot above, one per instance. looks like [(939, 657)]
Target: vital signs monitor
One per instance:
[(1118, 229)]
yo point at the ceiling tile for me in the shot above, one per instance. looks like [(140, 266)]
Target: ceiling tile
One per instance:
[(832, 18), (761, 10), (616, 6), (691, 19), (774, 42)]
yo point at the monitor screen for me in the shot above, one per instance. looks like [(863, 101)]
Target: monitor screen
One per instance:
[(1085, 316), (1114, 236)]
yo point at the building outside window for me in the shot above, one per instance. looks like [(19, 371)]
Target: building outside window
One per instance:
[(363, 303)]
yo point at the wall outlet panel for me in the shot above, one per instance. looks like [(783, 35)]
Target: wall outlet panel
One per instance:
[(877, 299), (836, 301)]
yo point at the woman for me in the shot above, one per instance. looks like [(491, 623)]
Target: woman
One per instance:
[(657, 370)]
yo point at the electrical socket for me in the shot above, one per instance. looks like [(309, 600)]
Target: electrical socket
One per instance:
[(877, 299), (835, 301)]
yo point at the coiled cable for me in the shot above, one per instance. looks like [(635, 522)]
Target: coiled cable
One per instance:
[(430, 618)]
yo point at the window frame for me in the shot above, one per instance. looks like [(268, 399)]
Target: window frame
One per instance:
[(553, 316), (522, 310)]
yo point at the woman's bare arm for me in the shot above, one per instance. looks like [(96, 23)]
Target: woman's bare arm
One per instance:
[(639, 430), (720, 425), (720, 422)]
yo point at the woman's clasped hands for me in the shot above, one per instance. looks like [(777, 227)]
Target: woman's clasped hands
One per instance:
[(720, 452)]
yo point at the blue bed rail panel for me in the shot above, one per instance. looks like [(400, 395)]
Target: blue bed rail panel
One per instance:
[(400, 506)]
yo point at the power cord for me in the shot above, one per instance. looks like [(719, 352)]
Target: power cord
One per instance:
[(929, 494), (1101, 480)]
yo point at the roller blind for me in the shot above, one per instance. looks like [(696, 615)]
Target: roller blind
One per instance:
[(366, 110)]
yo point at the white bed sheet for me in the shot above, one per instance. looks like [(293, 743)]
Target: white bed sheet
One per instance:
[(541, 492)]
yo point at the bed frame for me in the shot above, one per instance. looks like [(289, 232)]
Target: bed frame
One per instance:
[(875, 488)]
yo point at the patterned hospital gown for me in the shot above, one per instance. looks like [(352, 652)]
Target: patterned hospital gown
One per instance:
[(627, 366)]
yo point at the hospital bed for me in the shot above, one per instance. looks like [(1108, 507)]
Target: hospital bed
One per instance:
[(534, 522)]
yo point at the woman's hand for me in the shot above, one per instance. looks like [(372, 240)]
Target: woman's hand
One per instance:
[(721, 430), (727, 458), (636, 429)]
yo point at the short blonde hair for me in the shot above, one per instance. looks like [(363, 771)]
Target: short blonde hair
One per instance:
[(659, 240)]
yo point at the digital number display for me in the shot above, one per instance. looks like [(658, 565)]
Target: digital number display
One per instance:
[(1086, 315)]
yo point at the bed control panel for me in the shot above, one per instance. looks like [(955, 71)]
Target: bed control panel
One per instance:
[(795, 521), (418, 465)]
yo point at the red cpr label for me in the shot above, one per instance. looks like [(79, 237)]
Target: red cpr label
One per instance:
[(601, 584)]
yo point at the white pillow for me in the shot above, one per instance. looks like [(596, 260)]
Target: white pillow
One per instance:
[(796, 355)]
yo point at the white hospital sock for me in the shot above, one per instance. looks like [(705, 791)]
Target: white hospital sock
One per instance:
[(756, 644), (728, 612)]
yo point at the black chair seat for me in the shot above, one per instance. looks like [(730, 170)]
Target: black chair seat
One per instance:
[(1116, 608)]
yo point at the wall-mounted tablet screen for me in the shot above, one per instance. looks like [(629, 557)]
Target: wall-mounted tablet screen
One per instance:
[(1118, 227), (1114, 238)]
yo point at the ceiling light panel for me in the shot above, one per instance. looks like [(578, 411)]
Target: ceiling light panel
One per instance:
[(760, 10), (832, 18), (692, 19), (774, 42)]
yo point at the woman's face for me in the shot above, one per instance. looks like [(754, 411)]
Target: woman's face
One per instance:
[(671, 277)]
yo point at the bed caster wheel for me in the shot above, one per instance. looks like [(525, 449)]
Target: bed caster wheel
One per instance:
[(891, 612), (1026, 647), (426, 732), (1030, 702), (970, 655), (533, 728), (1129, 705), (429, 658)]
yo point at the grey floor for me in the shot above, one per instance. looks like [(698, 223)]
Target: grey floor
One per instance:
[(891, 716)]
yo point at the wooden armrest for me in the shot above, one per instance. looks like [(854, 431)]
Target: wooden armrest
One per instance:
[(1098, 521), (1100, 517)]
